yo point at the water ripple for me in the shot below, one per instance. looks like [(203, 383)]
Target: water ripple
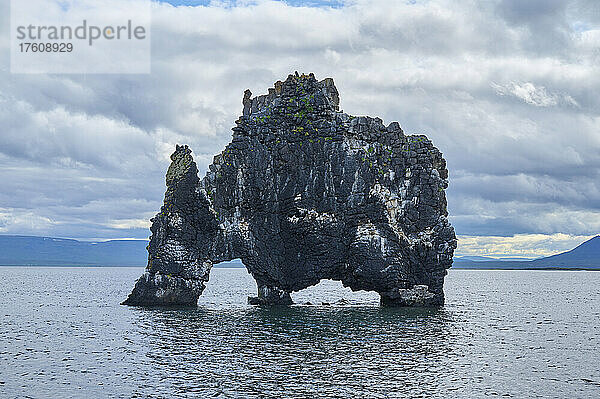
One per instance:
[(506, 334)]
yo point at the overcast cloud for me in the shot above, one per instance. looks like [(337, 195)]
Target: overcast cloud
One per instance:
[(508, 90)]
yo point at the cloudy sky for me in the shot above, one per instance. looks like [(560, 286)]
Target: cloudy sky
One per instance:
[(508, 90)]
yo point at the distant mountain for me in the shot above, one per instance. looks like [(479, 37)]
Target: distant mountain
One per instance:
[(584, 256), (49, 251)]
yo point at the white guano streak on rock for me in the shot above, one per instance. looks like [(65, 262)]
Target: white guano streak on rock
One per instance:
[(313, 215), (368, 232), (390, 201)]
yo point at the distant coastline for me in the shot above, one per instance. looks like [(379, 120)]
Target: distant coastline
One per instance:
[(37, 251), (231, 265), (542, 269)]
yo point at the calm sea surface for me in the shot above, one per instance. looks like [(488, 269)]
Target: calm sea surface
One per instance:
[(521, 334)]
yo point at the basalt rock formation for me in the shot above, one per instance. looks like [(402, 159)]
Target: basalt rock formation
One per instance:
[(305, 192)]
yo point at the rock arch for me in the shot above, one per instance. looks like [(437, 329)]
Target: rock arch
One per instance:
[(302, 193)]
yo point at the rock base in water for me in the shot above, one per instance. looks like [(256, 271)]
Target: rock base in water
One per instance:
[(162, 290), (418, 296), (270, 296)]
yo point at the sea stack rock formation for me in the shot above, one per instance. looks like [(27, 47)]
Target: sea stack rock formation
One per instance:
[(305, 192)]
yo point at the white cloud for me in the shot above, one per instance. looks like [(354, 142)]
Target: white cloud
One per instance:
[(533, 95), (23, 222), (129, 224)]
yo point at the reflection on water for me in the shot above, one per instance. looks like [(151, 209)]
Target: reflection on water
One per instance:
[(512, 334), (310, 351), (331, 351)]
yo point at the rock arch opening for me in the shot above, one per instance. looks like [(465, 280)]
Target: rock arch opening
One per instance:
[(229, 284), (331, 292)]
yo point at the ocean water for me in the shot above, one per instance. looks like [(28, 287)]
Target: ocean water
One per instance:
[(520, 334)]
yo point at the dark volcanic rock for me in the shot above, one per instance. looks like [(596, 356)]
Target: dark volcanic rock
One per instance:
[(303, 193)]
